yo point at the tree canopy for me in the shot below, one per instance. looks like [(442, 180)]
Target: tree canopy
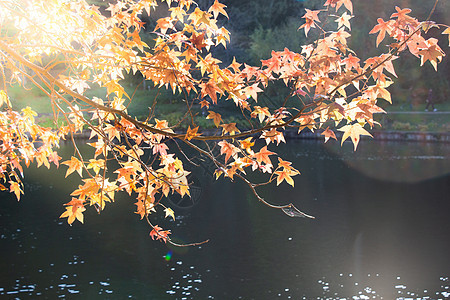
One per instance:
[(79, 56)]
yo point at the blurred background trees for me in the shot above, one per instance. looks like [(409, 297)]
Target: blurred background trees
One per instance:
[(259, 26)]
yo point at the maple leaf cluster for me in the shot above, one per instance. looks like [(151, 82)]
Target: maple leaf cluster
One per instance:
[(72, 47)]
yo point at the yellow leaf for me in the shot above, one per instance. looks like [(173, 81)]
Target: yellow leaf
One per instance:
[(14, 187), (4, 98), (191, 133), (285, 175), (353, 131), (169, 213), (447, 31), (74, 165), (29, 113)]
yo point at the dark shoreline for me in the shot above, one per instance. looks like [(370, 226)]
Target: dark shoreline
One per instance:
[(386, 135)]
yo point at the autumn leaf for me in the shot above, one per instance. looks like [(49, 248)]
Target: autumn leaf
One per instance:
[(353, 131), (211, 89), (74, 210), (160, 148), (164, 24), (344, 20), (347, 3), (191, 133), (228, 149), (247, 144), (74, 165), (141, 209), (263, 156), (351, 62), (402, 15), (252, 91), (447, 31), (89, 188), (198, 17), (338, 3), (169, 213), (144, 209), (382, 28), (229, 128), (272, 136), (284, 164), (54, 158), (217, 8), (261, 113), (204, 103), (159, 234), (14, 187), (433, 53), (235, 65), (198, 40), (4, 98), (96, 165), (285, 175), (311, 17), (217, 118), (29, 113), (328, 133)]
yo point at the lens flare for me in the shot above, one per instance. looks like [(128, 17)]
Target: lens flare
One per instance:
[(168, 256)]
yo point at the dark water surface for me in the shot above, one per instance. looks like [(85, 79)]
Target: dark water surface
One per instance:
[(381, 232)]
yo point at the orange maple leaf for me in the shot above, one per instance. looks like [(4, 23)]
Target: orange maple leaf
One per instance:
[(382, 28), (141, 209), (263, 156), (14, 187), (328, 133), (228, 149), (198, 40), (338, 3), (402, 15), (433, 53), (235, 65), (74, 210), (54, 158), (285, 175), (159, 234), (247, 144), (217, 118), (351, 62), (204, 103), (217, 8), (164, 24), (74, 165), (210, 88), (311, 16), (229, 128), (252, 91), (199, 16), (191, 133)]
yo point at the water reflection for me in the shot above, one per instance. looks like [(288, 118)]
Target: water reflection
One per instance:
[(416, 162), (372, 238)]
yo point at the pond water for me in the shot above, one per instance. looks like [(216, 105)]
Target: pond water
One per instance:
[(381, 232)]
